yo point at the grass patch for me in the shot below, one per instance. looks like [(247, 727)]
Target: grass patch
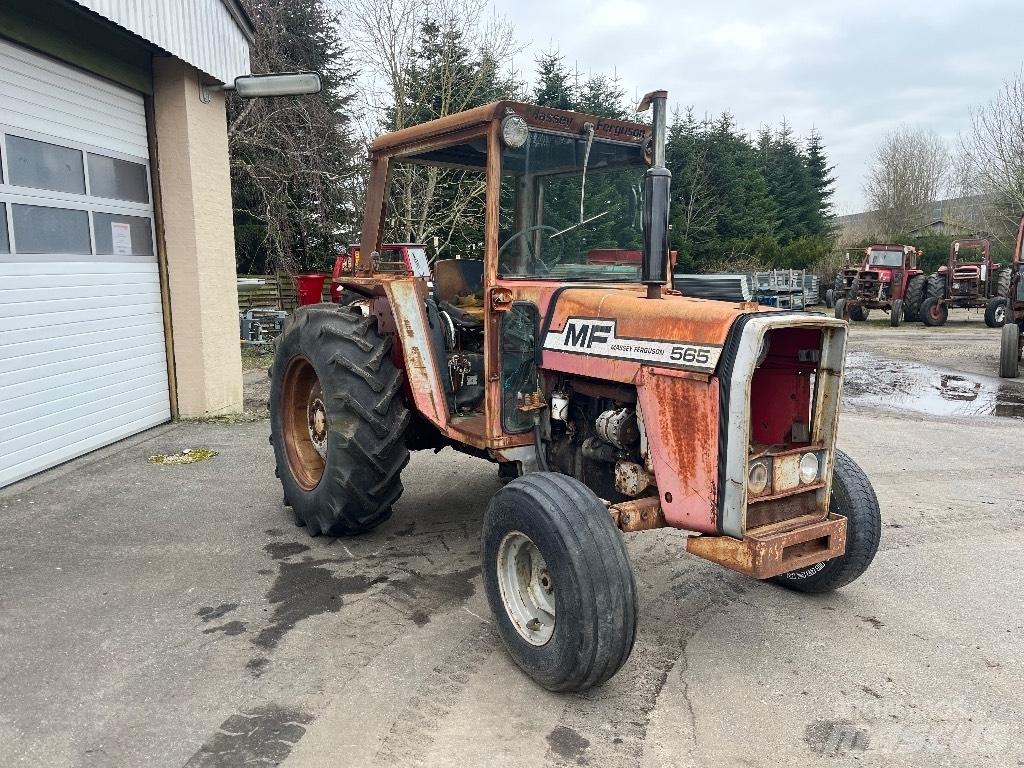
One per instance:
[(255, 357), (188, 456)]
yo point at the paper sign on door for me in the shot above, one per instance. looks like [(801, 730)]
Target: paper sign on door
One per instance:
[(121, 238)]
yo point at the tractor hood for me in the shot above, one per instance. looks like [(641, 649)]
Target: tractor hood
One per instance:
[(623, 325)]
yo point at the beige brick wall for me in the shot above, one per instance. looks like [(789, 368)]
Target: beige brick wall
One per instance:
[(195, 191)]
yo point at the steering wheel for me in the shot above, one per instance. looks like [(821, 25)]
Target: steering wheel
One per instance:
[(529, 246)]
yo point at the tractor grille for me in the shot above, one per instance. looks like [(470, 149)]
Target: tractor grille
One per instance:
[(868, 284)]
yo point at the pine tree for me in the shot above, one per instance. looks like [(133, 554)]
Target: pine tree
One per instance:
[(295, 161), (603, 96), (555, 87), (823, 184), (789, 183)]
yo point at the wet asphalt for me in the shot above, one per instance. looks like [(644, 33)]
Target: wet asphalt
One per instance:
[(174, 616)]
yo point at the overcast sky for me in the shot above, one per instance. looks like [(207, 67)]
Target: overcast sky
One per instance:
[(853, 69)]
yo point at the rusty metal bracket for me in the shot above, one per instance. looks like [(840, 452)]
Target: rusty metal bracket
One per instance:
[(638, 515), (775, 549)]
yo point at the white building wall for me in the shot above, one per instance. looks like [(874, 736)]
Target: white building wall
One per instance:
[(203, 33)]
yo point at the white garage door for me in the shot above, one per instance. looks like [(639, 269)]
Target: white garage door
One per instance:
[(82, 357)]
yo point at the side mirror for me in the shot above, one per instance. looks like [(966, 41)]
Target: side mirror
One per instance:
[(256, 86), (283, 84)]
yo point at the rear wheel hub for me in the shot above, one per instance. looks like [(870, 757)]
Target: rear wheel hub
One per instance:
[(304, 424), (316, 418)]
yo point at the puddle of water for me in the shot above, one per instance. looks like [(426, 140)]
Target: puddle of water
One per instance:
[(922, 388)]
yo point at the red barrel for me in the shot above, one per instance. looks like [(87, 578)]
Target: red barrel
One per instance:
[(310, 288)]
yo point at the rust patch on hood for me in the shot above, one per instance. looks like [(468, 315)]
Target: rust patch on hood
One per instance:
[(670, 318)]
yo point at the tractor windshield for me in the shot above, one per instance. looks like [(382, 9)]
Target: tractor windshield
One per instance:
[(880, 258), (558, 222)]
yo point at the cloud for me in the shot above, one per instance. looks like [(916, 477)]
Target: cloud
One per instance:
[(851, 70)]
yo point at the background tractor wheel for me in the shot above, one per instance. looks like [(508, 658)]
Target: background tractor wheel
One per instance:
[(853, 498), (935, 288), (840, 310), (1009, 351), (934, 312), (859, 313), (995, 312), (337, 420), (914, 298), (896, 313), (830, 298), (558, 581), (1003, 282)]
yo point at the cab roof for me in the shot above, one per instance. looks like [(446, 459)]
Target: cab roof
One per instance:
[(557, 120)]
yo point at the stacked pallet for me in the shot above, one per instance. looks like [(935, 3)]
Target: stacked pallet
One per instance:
[(736, 286), (812, 290)]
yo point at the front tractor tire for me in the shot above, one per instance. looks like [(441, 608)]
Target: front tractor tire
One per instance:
[(896, 313), (841, 312), (853, 498), (859, 313), (337, 420), (934, 312), (995, 312), (558, 581)]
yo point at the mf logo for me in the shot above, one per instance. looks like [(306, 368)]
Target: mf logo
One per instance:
[(586, 335)]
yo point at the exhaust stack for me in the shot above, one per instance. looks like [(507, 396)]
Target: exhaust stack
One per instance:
[(657, 180)]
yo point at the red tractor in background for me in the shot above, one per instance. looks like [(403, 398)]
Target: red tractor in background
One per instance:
[(888, 279), (1012, 340), (970, 280)]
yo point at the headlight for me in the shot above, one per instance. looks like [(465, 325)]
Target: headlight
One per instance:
[(514, 131), (757, 477), (808, 468)]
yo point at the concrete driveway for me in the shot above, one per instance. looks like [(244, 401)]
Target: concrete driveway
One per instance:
[(173, 615)]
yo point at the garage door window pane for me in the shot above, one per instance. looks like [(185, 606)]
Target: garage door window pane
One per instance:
[(50, 230), (118, 235), (40, 165), (120, 179), (5, 241)]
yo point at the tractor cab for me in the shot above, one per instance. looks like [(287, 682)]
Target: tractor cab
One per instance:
[(883, 263), (970, 269)]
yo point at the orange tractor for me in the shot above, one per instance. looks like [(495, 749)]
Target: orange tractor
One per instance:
[(609, 401)]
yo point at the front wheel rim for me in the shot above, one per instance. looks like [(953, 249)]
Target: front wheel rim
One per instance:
[(527, 588)]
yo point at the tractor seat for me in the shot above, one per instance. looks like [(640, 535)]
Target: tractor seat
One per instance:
[(459, 288)]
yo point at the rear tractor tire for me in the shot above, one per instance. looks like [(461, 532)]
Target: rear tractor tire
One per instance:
[(1009, 351), (934, 312), (1003, 282), (853, 498), (914, 298), (337, 420), (558, 581), (859, 313), (830, 298), (995, 312), (935, 288), (896, 313)]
